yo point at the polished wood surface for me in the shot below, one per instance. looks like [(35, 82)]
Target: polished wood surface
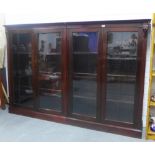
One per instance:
[(137, 133)]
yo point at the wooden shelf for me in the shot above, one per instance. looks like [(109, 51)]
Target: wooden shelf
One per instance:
[(151, 132), (125, 58), (49, 77), (84, 97), (50, 94), (116, 101), (86, 74), (48, 73), (119, 75), (53, 53), (50, 90), (88, 53), (152, 103), (153, 73)]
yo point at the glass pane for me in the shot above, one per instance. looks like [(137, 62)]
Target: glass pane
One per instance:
[(121, 75), (85, 46), (50, 70), (22, 69)]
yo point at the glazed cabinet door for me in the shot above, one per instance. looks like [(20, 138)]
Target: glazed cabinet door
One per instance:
[(123, 76), (84, 72), (49, 74), (20, 53)]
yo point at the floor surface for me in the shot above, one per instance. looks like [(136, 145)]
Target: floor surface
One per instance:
[(18, 128)]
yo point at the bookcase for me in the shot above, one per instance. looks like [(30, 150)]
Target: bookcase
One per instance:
[(89, 74)]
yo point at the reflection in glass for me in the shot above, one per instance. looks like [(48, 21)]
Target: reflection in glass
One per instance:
[(121, 75), (22, 69), (84, 72), (50, 70)]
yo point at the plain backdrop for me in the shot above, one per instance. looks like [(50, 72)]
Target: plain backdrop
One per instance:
[(46, 11)]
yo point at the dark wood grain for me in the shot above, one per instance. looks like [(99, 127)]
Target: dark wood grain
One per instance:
[(89, 23), (137, 133)]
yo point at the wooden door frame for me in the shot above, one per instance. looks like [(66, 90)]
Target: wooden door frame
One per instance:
[(9, 35), (81, 28), (64, 101), (137, 122)]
